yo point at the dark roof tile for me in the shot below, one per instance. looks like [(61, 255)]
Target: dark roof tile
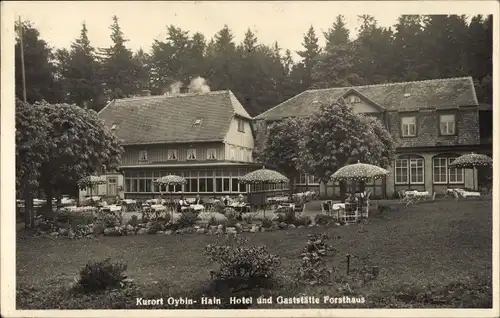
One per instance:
[(171, 119), (438, 93)]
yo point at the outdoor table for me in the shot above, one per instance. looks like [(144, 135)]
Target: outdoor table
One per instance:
[(289, 206), (158, 207), (197, 207), (129, 201)]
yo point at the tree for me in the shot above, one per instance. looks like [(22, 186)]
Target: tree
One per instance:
[(80, 73), (31, 153), (281, 149), (374, 56), (409, 43), (78, 145), (336, 136), (39, 66), (337, 34), (118, 67), (309, 55)]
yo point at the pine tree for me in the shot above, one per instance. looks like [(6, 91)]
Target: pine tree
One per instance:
[(309, 56)]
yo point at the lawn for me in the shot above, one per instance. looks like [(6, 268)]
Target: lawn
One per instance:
[(429, 244)]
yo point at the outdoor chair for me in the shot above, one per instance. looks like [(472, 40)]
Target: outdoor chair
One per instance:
[(326, 207)]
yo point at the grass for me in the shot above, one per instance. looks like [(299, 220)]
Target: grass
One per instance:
[(431, 244)]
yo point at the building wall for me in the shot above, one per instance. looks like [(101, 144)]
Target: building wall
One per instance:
[(243, 138), (110, 189), (159, 153), (467, 128)]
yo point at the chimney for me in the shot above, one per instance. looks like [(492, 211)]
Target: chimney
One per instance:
[(146, 92)]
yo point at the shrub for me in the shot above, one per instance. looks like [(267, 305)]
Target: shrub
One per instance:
[(187, 219), (219, 207), (312, 269), (63, 216), (303, 220), (96, 276), (267, 223), (323, 219), (238, 259), (134, 220), (247, 217), (232, 216), (212, 221)]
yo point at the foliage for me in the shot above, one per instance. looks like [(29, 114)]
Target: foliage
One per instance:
[(237, 258), (303, 220), (323, 219), (187, 219), (133, 220), (80, 145), (336, 136), (100, 275), (313, 269), (267, 222)]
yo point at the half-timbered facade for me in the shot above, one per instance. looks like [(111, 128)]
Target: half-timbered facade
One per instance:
[(432, 122)]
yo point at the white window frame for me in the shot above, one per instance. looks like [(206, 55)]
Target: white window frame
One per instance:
[(354, 99), (211, 154), (191, 154), (398, 166), (405, 126), (241, 125), (172, 155), (232, 153), (457, 170), (143, 156), (441, 167), (449, 125), (408, 166)]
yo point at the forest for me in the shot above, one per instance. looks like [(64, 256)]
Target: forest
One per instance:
[(417, 47)]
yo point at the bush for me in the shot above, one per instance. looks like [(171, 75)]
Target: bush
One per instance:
[(312, 269), (267, 223), (238, 259), (247, 217), (187, 219), (303, 220), (232, 216), (63, 216), (97, 276), (324, 219), (134, 220)]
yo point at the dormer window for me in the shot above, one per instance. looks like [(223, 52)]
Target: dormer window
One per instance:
[(191, 154), (197, 122), (143, 156), (211, 154), (114, 127), (354, 99), (241, 125), (172, 154), (447, 124), (409, 126)]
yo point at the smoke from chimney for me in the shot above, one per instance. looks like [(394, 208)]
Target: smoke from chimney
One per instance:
[(175, 88), (198, 85)]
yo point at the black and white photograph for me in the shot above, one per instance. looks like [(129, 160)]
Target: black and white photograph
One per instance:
[(304, 158)]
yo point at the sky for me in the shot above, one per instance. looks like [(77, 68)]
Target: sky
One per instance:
[(60, 22)]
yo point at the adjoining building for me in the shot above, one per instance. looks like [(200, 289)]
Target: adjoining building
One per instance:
[(205, 137), (432, 122)]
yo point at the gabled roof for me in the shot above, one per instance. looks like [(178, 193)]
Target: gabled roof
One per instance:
[(353, 91), (405, 96), (172, 119)]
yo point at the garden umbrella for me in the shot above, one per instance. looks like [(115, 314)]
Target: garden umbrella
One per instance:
[(360, 172), (91, 181), (471, 161), (170, 180), (263, 176)]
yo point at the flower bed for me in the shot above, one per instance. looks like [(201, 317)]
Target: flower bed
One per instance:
[(89, 223)]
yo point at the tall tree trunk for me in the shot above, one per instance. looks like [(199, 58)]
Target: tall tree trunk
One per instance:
[(49, 195), (290, 189), (27, 208)]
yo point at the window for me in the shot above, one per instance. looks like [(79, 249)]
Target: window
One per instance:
[(354, 99), (401, 171), (443, 174), (408, 126), (211, 154), (172, 154), (197, 122), (232, 153), (191, 154), (439, 170), (447, 124), (456, 175), (307, 179), (143, 156), (241, 125), (409, 171), (416, 171)]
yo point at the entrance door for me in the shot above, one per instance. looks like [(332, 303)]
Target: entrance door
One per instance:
[(112, 187)]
